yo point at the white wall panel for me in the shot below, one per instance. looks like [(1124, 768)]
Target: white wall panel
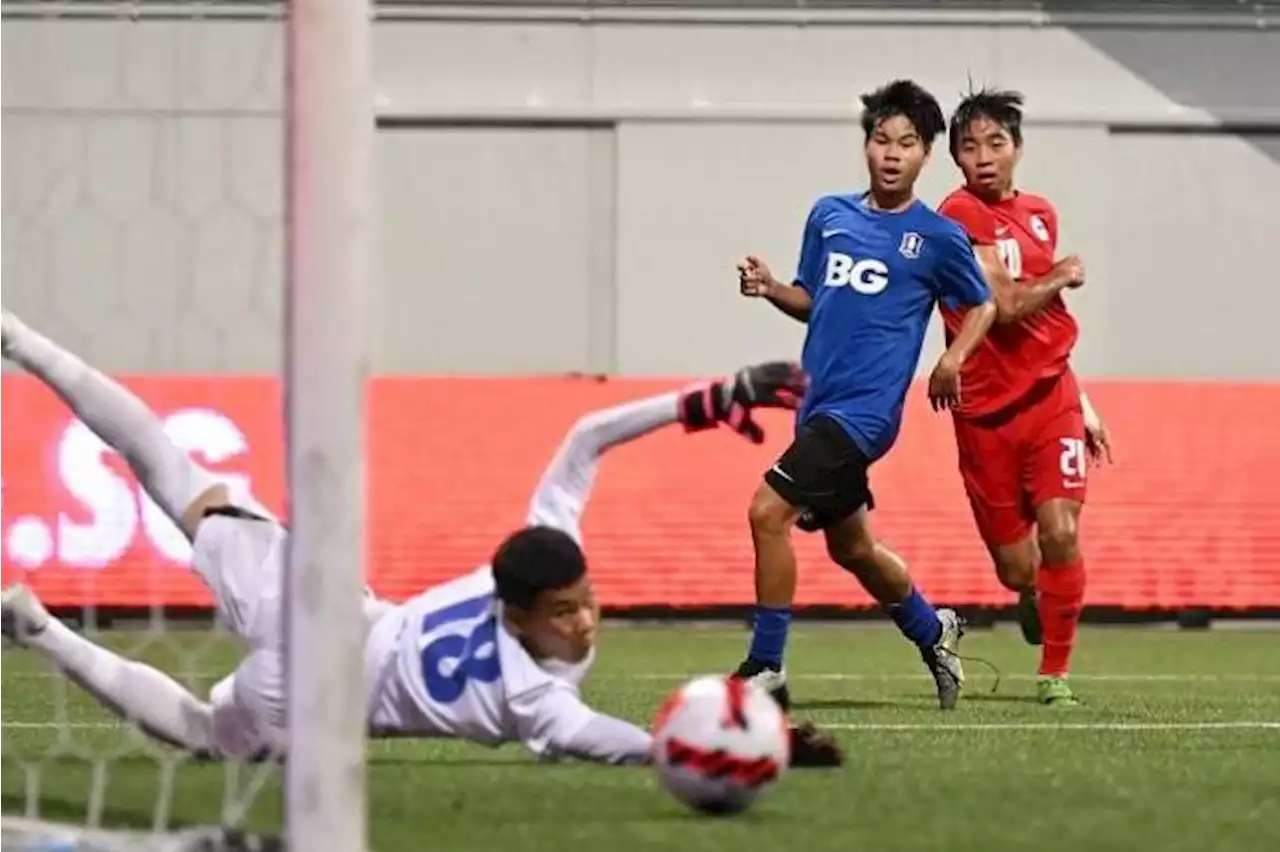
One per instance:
[(485, 262), (142, 190), (1195, 257)]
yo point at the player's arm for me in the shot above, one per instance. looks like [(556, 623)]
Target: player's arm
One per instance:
[(1014, 302), (562, 493), (554, 723), (756, 280), (961, 284), (1097, 436)]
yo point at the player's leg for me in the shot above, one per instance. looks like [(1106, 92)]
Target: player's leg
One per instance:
[(1060, 599), (178, 485), (1055, 479), (771, 517), (990, 457), (852, 545), (249, 708), (805, 479), (146, 696), (1016, 566)]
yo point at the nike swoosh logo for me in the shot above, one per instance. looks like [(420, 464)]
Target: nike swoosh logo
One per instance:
[(828, 234)]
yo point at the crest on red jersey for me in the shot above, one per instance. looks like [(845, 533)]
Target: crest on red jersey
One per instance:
[(911, 245), (1040, 228)]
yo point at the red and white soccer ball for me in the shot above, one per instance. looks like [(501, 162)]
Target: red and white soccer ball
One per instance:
[(719, 742)]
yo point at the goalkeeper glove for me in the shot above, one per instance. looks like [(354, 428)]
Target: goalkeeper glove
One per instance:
[(811, 748), (774, 384)]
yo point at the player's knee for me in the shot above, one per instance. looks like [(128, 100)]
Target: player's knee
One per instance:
[(769, 514), (1058, 535)]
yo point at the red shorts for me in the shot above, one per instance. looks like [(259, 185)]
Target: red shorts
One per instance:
[(1020, 458)]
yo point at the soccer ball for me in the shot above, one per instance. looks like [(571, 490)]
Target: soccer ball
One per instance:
[(719, 742)]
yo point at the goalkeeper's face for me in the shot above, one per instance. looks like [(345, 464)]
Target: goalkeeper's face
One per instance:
[(562, 623)]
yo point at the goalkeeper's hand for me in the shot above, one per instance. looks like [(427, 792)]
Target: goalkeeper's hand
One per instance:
[(812, 748), (773, 384)]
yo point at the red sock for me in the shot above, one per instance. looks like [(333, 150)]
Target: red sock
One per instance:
[(1061, 596)]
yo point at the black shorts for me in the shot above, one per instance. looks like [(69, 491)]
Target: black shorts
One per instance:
[(823, 474)]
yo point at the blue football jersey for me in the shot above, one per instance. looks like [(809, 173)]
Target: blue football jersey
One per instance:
[(875, 277)]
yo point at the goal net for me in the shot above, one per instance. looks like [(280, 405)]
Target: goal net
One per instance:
[(185, 208)]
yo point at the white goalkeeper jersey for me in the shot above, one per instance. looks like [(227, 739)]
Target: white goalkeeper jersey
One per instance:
[(444, 665)]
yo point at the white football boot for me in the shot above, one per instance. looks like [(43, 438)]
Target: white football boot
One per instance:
[(943, 660)]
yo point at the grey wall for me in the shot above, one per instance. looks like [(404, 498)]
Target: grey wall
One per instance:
[(560, 196)]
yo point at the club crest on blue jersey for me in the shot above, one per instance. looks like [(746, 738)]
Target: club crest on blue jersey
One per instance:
[(911, 245)]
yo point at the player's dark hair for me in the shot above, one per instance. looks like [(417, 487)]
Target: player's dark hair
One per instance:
[(908, 99), (535, 560), (1000, 106)]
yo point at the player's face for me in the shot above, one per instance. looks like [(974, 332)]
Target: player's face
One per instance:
[(563, 623), (988, 157), (895, 155)]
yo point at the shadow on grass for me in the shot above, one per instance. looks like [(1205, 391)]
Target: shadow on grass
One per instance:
[(843, 704)]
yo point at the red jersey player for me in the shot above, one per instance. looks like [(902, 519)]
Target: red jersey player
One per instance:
[(1023, 428)]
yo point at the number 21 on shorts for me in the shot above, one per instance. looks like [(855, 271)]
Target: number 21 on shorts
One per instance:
[(1072, 462)]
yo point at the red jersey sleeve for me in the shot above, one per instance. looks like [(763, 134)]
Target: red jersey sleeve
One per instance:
[(970, 214)]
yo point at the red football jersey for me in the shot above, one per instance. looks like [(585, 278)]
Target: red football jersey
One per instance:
[(1014, 357)]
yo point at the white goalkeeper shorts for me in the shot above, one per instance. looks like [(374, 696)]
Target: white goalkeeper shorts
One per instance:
[(241, 560)]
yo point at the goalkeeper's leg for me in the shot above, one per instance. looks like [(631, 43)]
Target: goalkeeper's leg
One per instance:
[(182, 488), (146, 696)]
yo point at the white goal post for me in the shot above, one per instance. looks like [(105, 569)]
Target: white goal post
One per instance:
[(329, 209)]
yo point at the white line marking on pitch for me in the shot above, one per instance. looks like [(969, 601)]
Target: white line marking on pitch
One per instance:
[(1050, 726), (1016, 676)]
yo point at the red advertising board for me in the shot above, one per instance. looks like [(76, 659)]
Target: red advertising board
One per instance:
[(1186, 517)]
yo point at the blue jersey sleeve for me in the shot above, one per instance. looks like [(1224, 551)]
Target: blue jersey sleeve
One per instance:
[(809, 267), (960, 281)]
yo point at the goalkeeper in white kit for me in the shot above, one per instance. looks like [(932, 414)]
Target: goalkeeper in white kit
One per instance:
[(494, 656)]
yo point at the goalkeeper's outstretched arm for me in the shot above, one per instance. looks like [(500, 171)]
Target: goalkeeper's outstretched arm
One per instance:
[(555, 723), (565, 487)]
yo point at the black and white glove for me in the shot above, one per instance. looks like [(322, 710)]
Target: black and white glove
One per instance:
[(811, 748), (773, 384)]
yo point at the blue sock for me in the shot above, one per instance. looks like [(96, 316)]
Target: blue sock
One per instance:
[(769, 633), (917, 619)]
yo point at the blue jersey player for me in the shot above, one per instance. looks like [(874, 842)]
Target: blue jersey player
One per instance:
[(872, 267)]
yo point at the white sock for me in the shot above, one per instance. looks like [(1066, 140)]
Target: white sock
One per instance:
[(116, 416), (135, 691)]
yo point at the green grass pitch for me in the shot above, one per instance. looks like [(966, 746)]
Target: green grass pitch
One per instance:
[(1178, 749)]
